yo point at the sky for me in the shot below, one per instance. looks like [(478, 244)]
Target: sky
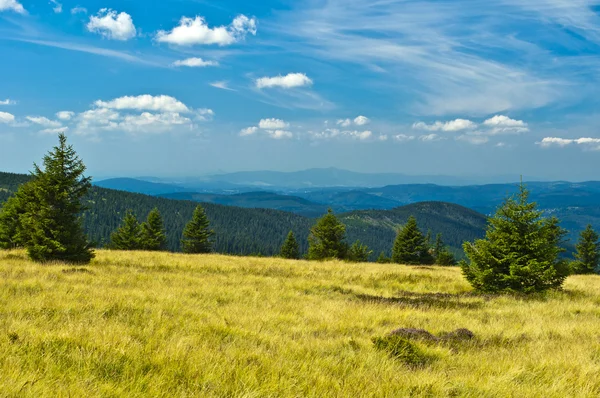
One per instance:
[(193, 87)]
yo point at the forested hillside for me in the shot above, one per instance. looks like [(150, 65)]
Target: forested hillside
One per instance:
[(262, 231)]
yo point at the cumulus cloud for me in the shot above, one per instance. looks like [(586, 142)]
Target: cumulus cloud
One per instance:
[(504, 121), (358, 121), (272, 124), (112, 25), (12, 5), (590, 143), (361, 120), (451, 126), (44, 121), (65, 115), (404, 137), (248, 131), (161, 103), (6, 117), (8, 102), (329, 134), (195, 63), (159, 114), (279, 134), (194, 31), (291, 80)]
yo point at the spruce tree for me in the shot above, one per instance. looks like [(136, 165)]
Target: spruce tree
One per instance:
[(128, 235), (290, 248), (197, 235), (587, 257), (10, 224), (153, 236), (326, 239), (520, 252), (359, 253), (410, 246), (50, 226), (442, 255)]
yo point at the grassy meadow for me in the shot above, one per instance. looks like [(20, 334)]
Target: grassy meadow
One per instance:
[(137, 324)]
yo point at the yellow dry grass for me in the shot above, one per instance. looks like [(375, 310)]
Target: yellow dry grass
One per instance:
[(136, 324)]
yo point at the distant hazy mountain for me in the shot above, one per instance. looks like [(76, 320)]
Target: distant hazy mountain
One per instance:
[(329, 177), (138, 186)]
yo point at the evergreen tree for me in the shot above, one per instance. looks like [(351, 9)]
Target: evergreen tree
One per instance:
[(410, 246), (520, 251), (11, 232), (326, 239), (51, 226), (359, 253), (197, 235), (383, 259), (442, 255), (587, 257), (290, 248), (153, 236), (128, 236)]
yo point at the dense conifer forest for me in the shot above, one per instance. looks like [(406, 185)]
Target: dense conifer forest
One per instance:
[(243, 231)]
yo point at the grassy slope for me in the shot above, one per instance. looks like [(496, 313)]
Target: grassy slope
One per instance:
[(146, 324)]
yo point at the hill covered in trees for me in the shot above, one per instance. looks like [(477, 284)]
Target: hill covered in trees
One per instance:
[(262, 231)]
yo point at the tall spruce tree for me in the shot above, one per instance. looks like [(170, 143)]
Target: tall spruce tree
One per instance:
[(520, 252), (128, 235), (327, 239), (290, 248), (587, 257), (50, 225), (411, 246), (197, 235), (153, 236)]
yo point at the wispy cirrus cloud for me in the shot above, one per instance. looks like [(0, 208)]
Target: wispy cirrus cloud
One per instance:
[(452, 57)]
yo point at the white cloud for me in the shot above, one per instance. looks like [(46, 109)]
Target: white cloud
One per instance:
[(44, 121), (279, 134), (547, 142), (195, 63), (501, 124), (273, 124), (8, 102), (57, 130), (65, 115), (79, 10), (344, 122), (248, 131), (223, 85), (162, 103), (382, 137), (361, 120), (504, 121), (6, 117), (360, 135), (430, 138), (57, 6), (192, 31), (12, 5), (204, 114), (451, 126), (291, 80), (473, 139), (404, 137), (152, 122), (112, 25)]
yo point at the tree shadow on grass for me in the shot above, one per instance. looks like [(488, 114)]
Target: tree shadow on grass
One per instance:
[(427, 300)]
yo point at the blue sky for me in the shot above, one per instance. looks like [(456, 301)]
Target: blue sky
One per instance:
[(184, 87)]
